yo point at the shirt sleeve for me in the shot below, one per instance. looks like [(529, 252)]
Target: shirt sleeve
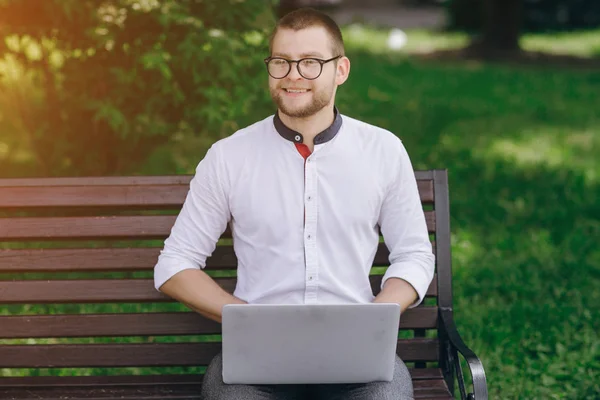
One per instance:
[(404, 229), (200, 223)]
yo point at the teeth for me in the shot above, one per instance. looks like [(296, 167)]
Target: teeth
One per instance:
[(296, 90)]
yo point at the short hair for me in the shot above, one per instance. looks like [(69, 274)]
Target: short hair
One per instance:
[(307, 17)]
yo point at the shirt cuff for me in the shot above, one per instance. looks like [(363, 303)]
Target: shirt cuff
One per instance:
[(168, 266), (414, 274)]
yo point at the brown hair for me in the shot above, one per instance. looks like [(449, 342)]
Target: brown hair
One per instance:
[(309, 17)]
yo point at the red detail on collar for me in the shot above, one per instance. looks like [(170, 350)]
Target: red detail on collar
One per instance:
[(303, 150)]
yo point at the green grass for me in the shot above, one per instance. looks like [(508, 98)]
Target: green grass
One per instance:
[(521, 146), (374, 40), (582, 44)]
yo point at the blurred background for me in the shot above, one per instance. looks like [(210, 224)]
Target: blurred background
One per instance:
[(505, 94)]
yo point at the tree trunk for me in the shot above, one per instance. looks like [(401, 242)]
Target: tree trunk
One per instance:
[(502, 25)]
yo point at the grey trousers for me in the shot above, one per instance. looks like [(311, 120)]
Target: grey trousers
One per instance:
[(213, 388)]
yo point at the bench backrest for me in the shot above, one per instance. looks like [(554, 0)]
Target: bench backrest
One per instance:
[(76, 264)]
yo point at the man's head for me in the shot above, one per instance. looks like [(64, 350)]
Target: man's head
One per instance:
[(310, 86)]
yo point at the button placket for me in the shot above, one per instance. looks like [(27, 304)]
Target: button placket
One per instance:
[(310, 232)]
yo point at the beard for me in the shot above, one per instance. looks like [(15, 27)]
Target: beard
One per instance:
[(320, 99)]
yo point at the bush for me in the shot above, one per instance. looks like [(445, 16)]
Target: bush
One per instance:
[(112, 81)]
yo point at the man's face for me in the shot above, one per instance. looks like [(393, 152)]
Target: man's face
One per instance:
[(294, 95)]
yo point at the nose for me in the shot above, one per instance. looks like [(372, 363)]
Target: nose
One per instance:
[(294, 74)]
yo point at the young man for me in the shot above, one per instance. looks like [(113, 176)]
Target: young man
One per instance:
[(305, 192)]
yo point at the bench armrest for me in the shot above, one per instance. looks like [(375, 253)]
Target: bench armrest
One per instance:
[(480, 391)]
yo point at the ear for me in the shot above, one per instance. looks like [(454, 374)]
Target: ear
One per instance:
[(343, 70)]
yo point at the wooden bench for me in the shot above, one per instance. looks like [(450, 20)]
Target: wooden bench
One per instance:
[(77, 295)]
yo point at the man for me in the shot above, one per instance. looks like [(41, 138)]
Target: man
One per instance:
[(305, 192)]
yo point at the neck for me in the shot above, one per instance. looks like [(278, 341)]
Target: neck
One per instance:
[(311, 126)]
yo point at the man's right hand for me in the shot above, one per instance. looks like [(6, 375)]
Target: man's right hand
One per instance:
[(197, 290)]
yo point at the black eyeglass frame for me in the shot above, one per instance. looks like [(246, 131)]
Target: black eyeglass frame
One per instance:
[(289, 62)]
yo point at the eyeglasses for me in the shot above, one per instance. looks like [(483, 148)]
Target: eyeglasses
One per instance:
[(308, 68)]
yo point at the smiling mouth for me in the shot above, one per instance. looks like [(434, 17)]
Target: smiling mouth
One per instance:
[(296, 90)]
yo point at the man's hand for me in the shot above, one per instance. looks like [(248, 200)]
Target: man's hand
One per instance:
[(198, 291), (399, 291)]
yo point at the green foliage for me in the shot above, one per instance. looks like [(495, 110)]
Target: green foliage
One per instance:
[(109, 82)]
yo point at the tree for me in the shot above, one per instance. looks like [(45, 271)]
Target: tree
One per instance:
[(113, 80), (496, 24), (502, 25)]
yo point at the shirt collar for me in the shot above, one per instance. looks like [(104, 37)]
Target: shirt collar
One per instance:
[(297, 137)]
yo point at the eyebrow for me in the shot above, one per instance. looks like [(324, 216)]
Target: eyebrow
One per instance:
[(303, 55)]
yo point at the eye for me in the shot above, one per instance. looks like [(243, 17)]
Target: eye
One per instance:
[(309, 62), (278, 62)]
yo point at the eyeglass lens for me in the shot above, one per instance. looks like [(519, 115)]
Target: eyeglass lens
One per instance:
[(308, 68)]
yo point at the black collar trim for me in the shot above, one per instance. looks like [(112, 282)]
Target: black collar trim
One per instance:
[(297, 137)]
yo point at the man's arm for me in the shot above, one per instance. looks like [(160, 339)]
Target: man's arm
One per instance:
[(404, 229), (399, 291), (201, 222), (200, 292)]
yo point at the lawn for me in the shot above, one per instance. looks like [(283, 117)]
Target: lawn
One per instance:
[(521, 147)]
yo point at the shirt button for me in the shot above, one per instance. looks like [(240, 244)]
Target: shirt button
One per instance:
[(309, 198), (308, 237), (298, 138), (310, 278)]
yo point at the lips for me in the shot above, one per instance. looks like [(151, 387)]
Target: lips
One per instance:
[(296, 90), (294, 93)]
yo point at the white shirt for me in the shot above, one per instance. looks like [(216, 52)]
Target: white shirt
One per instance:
[(304, 231)]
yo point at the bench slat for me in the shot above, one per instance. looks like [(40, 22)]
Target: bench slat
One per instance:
[(181, 386), (101, 259), (417, 374), (137, 392), (113, 192), (164, 392), (111, 227), (120, 180), (149, 197), (144, 392), (87, 228), (154, 354), (148, 324), (117, 259), (177, 392), (421, 175), (110, 290)]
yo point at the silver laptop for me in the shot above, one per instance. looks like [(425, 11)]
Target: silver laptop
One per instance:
[(297, 344)]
